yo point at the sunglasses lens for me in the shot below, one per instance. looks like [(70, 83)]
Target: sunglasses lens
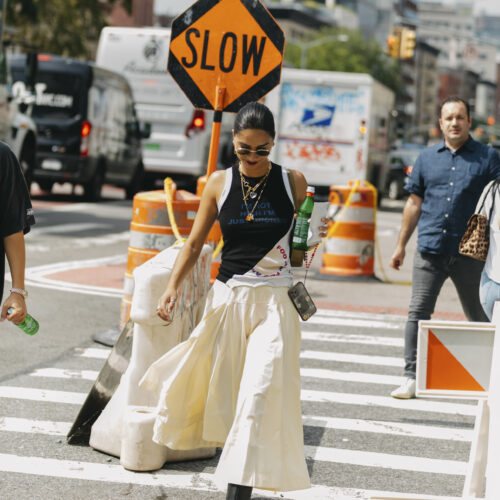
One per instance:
[(246, 151), (243, 151)]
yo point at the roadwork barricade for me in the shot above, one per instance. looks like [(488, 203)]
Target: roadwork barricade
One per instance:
[(458, 360), (125, 426), (152, 230), (349, 246)]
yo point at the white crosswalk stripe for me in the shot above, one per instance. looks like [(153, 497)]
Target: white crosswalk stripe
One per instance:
[(342, 357), (357, 349), (352, 339)]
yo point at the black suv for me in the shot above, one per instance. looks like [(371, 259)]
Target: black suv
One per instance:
[(87, 127)]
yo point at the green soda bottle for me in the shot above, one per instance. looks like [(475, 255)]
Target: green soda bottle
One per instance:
[(29, 326), (299, 240)]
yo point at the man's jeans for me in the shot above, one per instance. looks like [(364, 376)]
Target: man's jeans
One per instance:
[(429, 273)]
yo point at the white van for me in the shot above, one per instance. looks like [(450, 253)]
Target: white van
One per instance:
[(180, 135)]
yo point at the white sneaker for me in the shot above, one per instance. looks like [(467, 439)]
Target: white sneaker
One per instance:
[(406, 390)]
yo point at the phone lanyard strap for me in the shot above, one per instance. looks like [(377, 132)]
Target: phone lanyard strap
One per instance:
[(308, 258)]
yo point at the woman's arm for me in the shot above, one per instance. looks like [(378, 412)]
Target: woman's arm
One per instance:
[(16, 256), (300, 187), (205, 217)]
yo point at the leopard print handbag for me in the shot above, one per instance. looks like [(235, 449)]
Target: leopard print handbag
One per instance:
[(476, 240)]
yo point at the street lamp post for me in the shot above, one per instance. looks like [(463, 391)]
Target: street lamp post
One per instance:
[(305, 46)]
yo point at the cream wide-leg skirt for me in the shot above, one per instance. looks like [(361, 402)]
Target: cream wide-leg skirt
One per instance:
[(236, 383)]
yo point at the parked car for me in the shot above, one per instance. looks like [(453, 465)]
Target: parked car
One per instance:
[(17, 129), (88, 132), (399, 166)]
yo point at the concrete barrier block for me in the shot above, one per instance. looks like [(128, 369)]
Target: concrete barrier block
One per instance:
[(125, 426)]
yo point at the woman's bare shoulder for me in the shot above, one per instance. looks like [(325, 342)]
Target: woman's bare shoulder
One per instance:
[(215, 183), (300, 181)]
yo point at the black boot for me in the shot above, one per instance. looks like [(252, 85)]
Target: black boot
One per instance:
[(238, 492)]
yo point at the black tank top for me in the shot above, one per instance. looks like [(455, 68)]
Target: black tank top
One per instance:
[(256, 252)]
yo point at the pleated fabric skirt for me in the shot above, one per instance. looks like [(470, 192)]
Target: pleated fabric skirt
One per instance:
[(236, 383)]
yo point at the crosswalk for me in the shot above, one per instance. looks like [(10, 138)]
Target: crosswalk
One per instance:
[(359, 441)]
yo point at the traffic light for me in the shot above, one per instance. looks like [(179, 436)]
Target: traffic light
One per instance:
[(407, 43), (393, 44)]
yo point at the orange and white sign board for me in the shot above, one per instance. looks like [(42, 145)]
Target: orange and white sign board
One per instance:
[(454, 359), (235, 44)]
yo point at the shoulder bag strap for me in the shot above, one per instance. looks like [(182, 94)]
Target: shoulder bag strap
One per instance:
[(495, 186), (292, 187), (486, 196)]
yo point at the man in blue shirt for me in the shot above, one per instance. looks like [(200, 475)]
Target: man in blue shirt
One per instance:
[(445, 184)]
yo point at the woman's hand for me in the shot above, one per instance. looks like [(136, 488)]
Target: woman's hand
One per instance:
[(16, 302), (166, 305), (323, 229)]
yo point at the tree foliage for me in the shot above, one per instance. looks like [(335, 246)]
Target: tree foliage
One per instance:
[(353, 55), (63, 27)]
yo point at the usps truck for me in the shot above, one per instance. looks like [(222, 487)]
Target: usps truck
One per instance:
[(180, 135), (332, 126)]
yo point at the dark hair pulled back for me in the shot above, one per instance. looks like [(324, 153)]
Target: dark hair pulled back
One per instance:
[(255, 115)]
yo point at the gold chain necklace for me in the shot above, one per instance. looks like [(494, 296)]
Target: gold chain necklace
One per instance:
[(252, 191), (249, 217)]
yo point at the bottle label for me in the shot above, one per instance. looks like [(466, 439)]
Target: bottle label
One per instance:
[(300, 233)]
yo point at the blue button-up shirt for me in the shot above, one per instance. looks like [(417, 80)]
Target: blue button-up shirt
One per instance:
[(450, 185)]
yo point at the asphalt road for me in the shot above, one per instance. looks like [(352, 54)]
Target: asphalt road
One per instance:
[(358, 439)]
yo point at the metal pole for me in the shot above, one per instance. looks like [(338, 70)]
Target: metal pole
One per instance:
[(214, 140)]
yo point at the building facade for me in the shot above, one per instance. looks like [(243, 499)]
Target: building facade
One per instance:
[(426, 88), (452, 30)]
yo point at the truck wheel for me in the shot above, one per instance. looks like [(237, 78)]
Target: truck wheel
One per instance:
[(45, 185), (136, 183), (92, 189)]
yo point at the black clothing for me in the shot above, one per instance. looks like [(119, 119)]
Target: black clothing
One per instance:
[(246, 243), (16, 213)]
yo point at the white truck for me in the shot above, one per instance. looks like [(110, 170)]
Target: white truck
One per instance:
[(180, 135), (332, 126)]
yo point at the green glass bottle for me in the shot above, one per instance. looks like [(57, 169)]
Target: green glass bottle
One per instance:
[(299, 240), (29, 326)]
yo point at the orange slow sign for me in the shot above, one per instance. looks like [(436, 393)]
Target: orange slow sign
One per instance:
[(232, 43)]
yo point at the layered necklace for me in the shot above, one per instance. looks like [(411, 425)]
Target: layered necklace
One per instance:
[(252, 192)]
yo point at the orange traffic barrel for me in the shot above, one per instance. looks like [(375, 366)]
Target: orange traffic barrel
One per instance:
[(350, 243), (151, 232)]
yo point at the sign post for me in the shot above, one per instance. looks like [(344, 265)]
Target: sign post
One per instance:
[(220, 92), (224, 54)]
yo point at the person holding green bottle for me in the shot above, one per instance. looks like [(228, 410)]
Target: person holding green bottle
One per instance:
[(235, 383), (16, 218)]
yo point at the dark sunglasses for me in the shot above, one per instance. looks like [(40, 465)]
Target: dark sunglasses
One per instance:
[(247, 151)]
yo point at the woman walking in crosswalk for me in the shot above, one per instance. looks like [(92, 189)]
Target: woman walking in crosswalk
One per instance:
[(235, 382)]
